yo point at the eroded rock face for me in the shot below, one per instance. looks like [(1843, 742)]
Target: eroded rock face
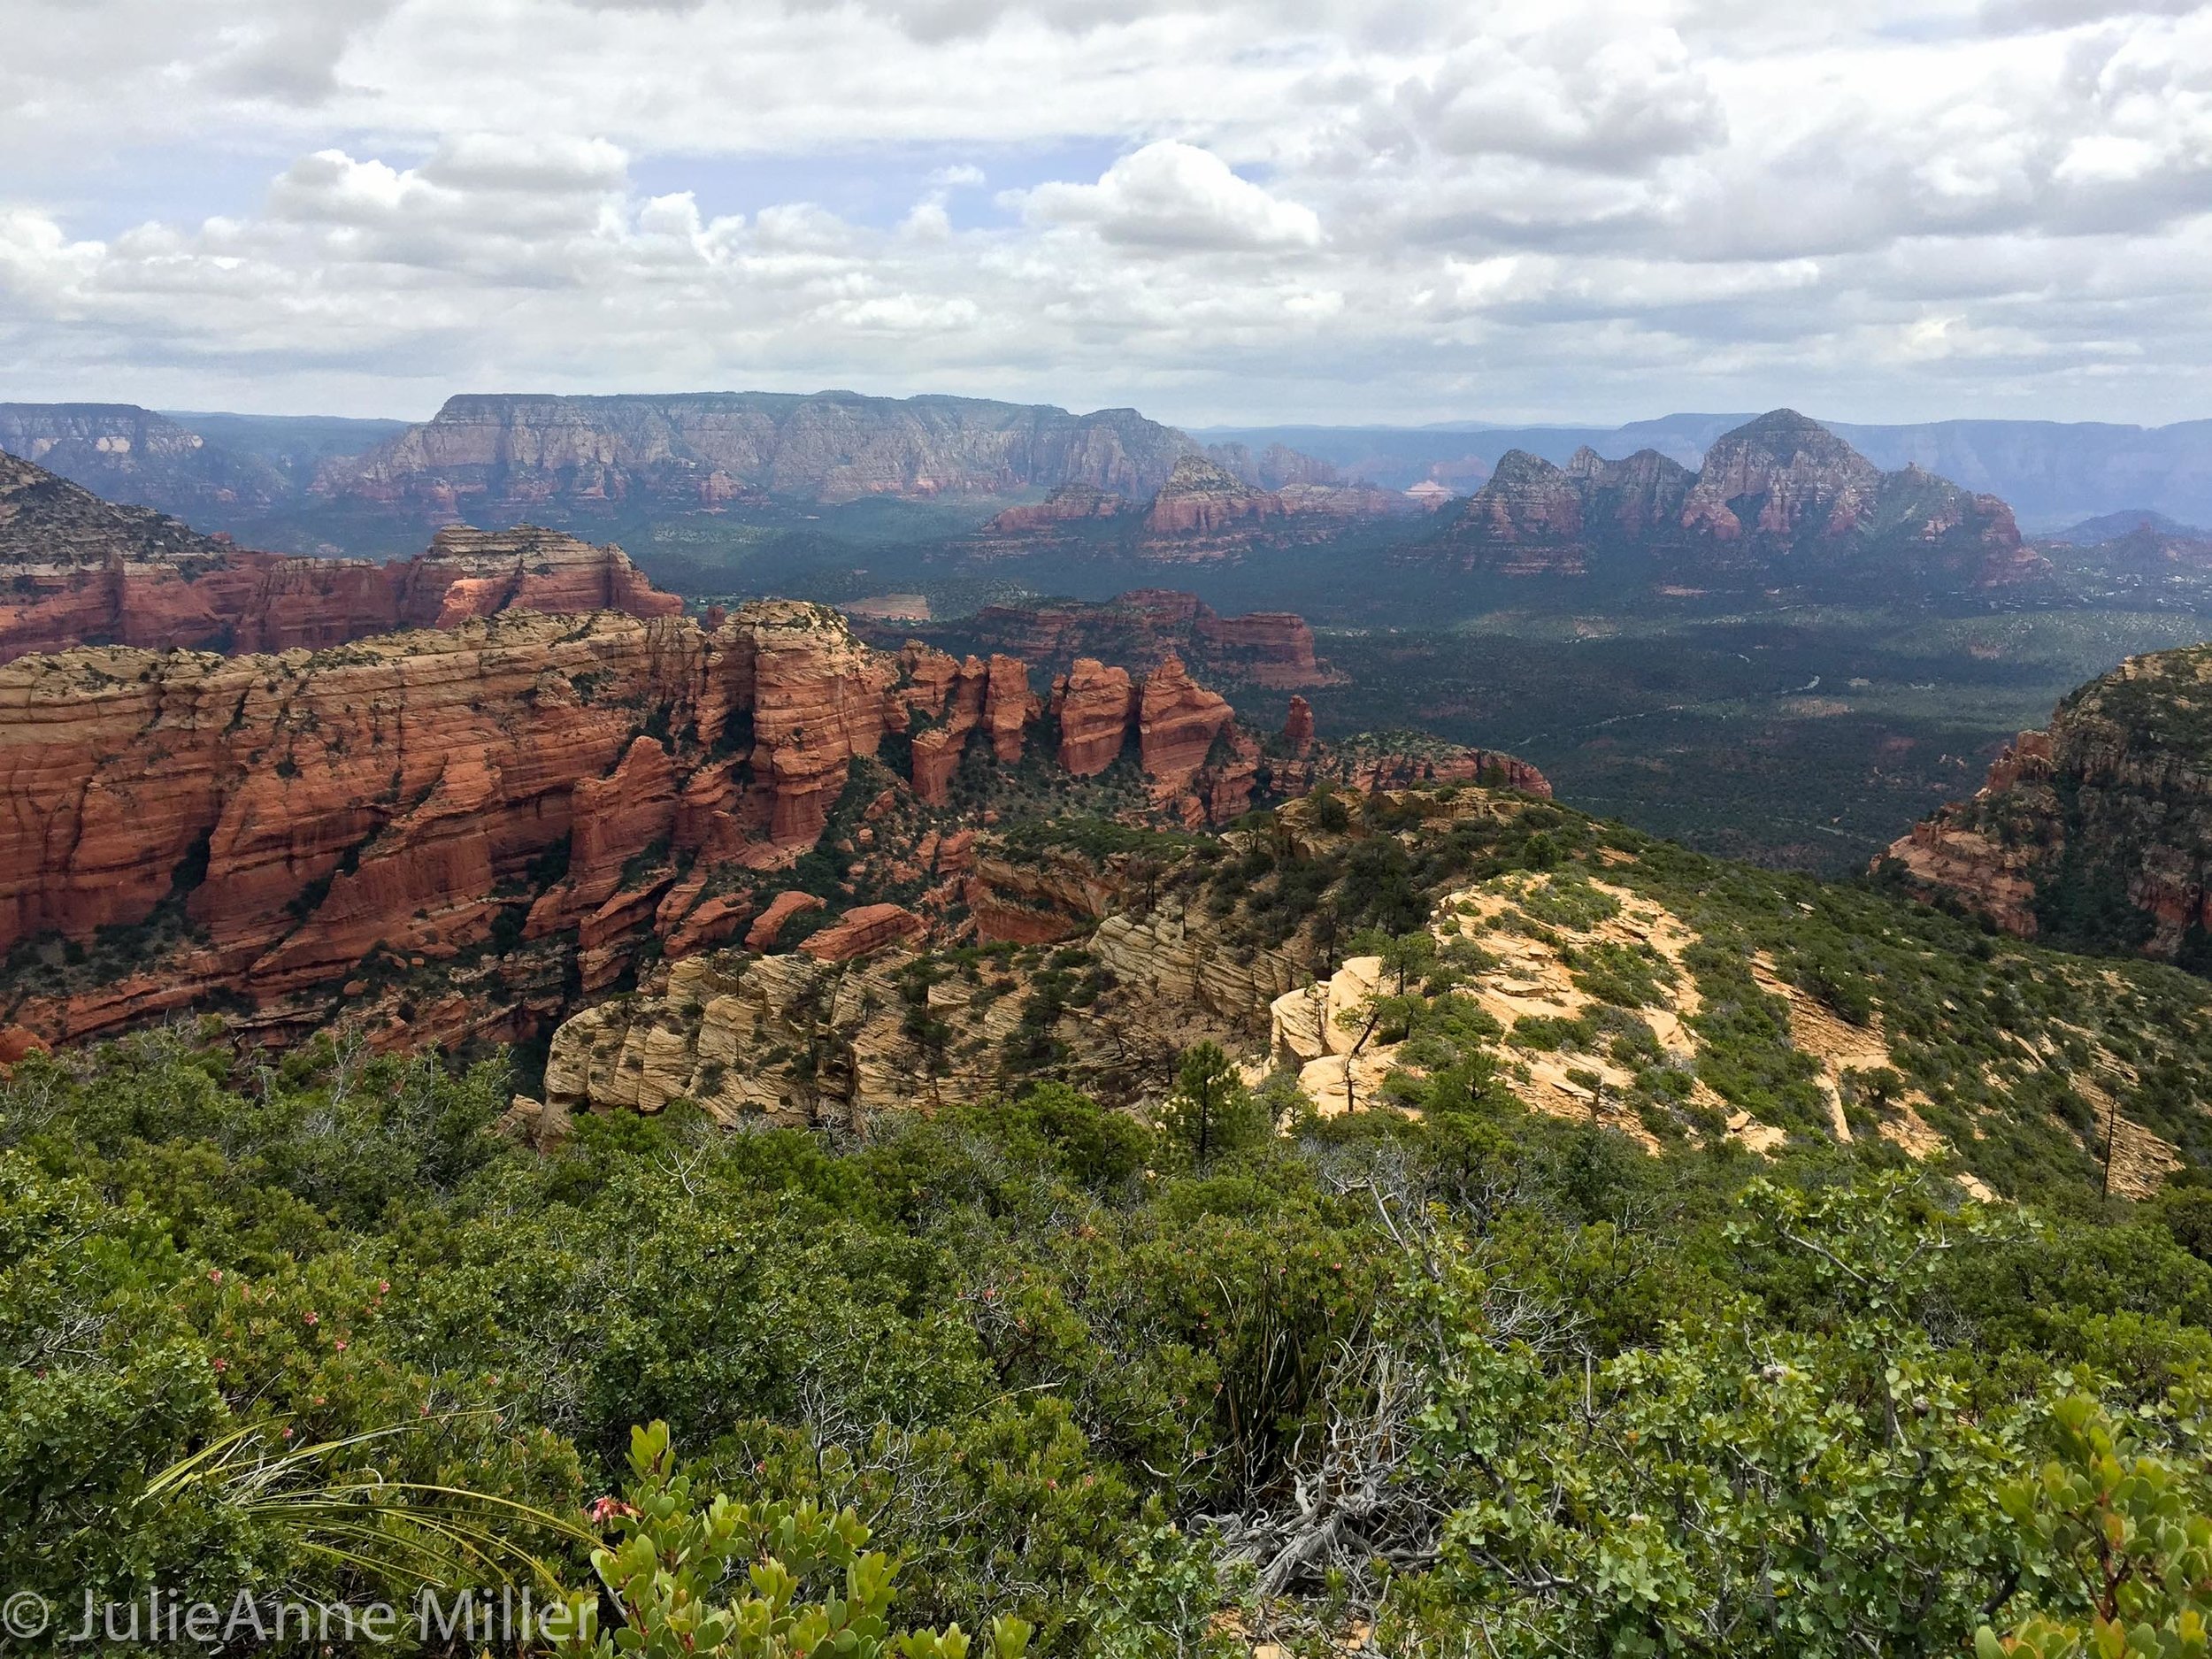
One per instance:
[(1780, 499), (1298, 729), (2096, 831), (1094, 704), (1528, 517), (517, 803), (863, 931), (81, 571), (1178, 720), (132, 454), (1201, 499), (1067, 504)]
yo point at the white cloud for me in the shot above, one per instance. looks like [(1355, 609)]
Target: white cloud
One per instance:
[(1319, 207), (1175, 195)]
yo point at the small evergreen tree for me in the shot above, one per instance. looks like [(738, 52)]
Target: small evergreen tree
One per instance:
[(1211, 1111)]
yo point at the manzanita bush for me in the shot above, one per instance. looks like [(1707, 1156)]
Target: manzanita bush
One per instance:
[(724, 1579)]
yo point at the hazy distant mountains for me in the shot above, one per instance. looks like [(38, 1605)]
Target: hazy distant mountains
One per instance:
[(503, 456), (1780, 500), (184, 464), (713, 448), (2053, 472)]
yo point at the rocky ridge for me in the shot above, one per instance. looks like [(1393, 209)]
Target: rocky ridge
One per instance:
[(1211, 507), (135, 454), (1780, 499), (2097, 831), (82, 570), (1597, 988), (452, 834), (521, 451)]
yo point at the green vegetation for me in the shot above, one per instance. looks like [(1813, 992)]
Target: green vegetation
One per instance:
[(1470, 1376)]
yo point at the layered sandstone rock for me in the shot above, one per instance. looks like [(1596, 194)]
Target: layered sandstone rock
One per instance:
[(1009, 706), (1145, 626), (1178, 720), (523, 798), (765, 932), (1094, 704), (1298, 729), (1067, 504), (82, 570), (863, 931), (1527, 521), (132, 454), (1201, 499), (2096, 831)]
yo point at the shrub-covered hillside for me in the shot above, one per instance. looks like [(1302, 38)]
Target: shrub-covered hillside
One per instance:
[(1478, 1380)]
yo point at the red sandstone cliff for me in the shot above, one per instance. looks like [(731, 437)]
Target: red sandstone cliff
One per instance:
[(518, 802), (2096, 832), (81, 571)]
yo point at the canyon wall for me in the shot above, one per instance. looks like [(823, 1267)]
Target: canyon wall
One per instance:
[(2096, 831), (516, 805)]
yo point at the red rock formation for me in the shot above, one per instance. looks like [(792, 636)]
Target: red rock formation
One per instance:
[(1178, 720), (937, 749), (81, 571), (1780, 499), (1147, 624), (1268, 647), (1298, 729), (1069, 503), (2100, 827), (1527, 520), (710, 923), (817, 699), (861, 931), (782, 909), (1201, 499), (1009, 706), (1094, 704), (451, 830)]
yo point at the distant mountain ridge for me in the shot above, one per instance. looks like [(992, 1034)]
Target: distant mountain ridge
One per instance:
[(2112, 527), (703, 449), (1780, 499), (2051, 472)]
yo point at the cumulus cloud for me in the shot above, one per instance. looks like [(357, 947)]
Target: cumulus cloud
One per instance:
[(1319, 208), (1178, 197), (1621, 104)]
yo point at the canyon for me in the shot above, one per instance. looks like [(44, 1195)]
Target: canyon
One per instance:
[(455, 832), (1781, 499)]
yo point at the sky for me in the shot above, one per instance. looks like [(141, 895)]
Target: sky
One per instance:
[(1251, 212)]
